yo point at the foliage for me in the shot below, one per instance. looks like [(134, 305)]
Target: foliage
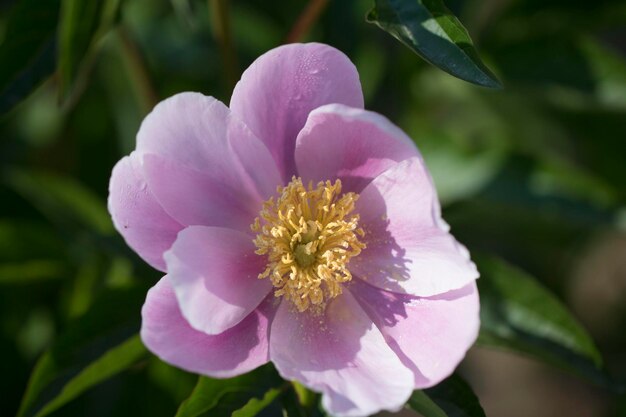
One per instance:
[(434, 33)]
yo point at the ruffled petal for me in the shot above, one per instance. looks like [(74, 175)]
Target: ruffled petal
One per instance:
[(351, 144), (279, 90), (167, 334), (137, 215), (342, 354), (199, 160), (409, 249), (430, 335), (214, 273)]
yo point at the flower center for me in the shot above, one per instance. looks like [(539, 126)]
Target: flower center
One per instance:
[(309, 235)]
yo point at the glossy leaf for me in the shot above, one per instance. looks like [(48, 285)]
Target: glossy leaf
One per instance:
[(93, 348), (430, 30), (223, 397), (28, 50), (82, 25), (518, 314)]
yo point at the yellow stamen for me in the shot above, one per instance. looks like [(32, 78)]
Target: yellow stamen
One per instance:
[(309, 235)]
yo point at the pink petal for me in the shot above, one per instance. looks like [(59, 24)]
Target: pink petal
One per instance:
[(196, 135), (214, 272), (195, 198), (351, 144), (342, 354), (238, 350), (409, 249), (277, 92), (136, 214), (430, 335)]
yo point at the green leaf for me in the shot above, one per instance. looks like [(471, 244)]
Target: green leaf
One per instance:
[(28, 50), (291, 406), (93, 348), (518, 314), (62, 199), (430, 30), (111, 363), (223, 397), (452, 397), (422, 403), (256, 405), (455, 397), (82, 24)]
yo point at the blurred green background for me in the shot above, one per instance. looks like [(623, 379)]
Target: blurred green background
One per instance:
[(534, 173)]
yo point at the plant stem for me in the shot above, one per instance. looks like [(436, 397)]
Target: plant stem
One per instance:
[(138, 72), (222, 31), (306, 20), (306, 397)]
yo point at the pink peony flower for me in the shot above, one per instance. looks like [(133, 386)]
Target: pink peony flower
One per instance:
[(298, 228)]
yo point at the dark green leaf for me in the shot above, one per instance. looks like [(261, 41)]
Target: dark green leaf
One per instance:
[(518, 314), (430, 30), (223, 397), (82, 25), (82, 356), (28, 50), (452, 397), (422, 403), (455, 397)]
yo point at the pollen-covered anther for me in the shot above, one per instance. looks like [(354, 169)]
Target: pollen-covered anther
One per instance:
[(309, 235)]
